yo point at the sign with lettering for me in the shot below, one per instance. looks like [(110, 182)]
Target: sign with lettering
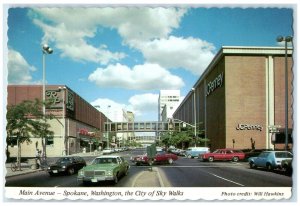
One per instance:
[(216, 83), (249, 127), (85, 132), (70, 100), (53, 97)]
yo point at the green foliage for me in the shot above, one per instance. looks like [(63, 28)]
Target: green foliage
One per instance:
[(25, 120), (183, 138)]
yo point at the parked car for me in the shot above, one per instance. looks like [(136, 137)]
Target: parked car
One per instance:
[(270, 159), (223, 154), (254, 153), (192, 152), (69, 165), (178, 152), (287, 166), (104, 168), (107, 151), (160, 157)]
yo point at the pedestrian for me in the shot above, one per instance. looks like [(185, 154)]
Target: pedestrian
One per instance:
[(38, 156)]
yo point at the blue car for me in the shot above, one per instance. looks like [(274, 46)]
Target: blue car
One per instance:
[(270, 159)]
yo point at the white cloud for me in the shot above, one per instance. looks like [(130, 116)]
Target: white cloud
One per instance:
[(19, 71), (140, 77), (191, 54), (144, 103), (109, 107), (72, 44), (69, 28), (144, 106)]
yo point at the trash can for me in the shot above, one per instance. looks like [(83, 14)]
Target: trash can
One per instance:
[(33, 163)]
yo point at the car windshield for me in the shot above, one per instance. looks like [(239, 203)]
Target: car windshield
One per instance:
[(105, 160), (63, 160), (283, 155)]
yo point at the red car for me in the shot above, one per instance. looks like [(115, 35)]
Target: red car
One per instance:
[(223, 154), (160, 157)]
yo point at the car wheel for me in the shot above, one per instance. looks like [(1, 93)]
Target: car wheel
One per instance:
[(137, 164), (71, 171), (116, 180), (51, 174), (127, 170), (170, 161), (85, 183), (235, 159), (252, 165), (210, 159), (269, 167), (189, 156)]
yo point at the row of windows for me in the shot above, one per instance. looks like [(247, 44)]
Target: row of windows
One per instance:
[(13, 141)]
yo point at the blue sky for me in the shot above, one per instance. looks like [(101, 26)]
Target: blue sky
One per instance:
[(123, 56)]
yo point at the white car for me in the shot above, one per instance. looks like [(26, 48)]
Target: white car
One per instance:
[(107, 151)]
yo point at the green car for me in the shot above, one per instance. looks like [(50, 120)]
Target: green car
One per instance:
[(104, 168)]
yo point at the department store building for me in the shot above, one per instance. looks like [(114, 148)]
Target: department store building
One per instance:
[(77, 126), (240, 97)]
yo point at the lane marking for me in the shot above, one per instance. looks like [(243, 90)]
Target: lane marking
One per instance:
[(136, 178), (226, 179), (190, 166)]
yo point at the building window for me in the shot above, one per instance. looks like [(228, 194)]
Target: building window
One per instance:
[(12, 141), (50, 141)]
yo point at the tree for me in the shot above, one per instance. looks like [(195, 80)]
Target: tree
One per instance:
[(23, 121)]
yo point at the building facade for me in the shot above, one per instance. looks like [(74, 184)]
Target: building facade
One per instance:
[(77, 125), (239, 97), (168, 101)]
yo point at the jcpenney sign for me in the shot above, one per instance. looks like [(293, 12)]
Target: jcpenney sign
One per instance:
[(249, 127), (213, 85)]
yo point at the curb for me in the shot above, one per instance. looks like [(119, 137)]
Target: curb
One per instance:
[(159, 177), (140, 177), (19, 173)]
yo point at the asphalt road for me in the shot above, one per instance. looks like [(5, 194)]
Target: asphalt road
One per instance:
[(193, 173), (183, 173)]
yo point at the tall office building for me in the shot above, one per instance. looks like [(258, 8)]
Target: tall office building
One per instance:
[(168, 102)]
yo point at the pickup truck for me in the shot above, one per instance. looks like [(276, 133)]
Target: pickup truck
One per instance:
[(160, 157)]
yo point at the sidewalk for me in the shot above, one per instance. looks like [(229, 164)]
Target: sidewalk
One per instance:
[(25, 169)]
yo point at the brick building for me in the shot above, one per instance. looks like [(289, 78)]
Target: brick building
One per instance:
[(77, 124), (239, 96)]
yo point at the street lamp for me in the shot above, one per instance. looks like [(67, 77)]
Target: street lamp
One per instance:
[(46, 50), (195, 119), (100, 126), (286, 40), (66, 142), (107, 134)]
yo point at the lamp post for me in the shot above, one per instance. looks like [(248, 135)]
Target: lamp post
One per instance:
[(46, 50), (100, 128), (195, 119), (286, 40), (107, 134), (66, 142)]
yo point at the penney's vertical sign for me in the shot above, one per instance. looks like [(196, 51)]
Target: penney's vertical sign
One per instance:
[(214, 84)]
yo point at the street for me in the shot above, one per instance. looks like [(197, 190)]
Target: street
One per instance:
[(182, 173)]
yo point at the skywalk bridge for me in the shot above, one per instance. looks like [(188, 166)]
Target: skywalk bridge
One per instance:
[(146, 126)]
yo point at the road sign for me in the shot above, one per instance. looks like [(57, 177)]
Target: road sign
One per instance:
[(151, 151)]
